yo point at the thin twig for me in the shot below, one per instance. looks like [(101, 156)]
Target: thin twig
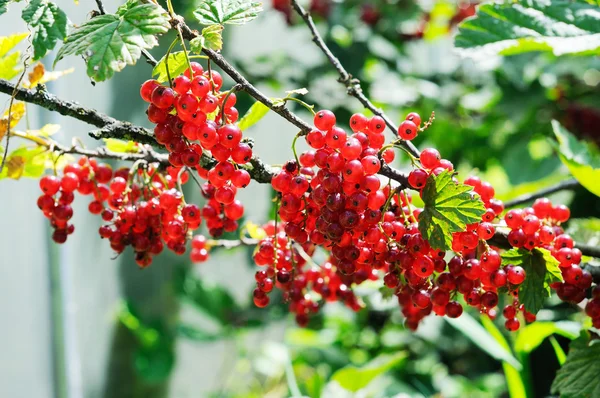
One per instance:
[(563, 185), (500, 239), (101, 7), (352, 84)]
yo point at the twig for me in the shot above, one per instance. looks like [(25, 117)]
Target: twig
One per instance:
[(563, 185), (230, 244), (245, 85), (352, 84), (101, 7), (500, 239), (110, 127)]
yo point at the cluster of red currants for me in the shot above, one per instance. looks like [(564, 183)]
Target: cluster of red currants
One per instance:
[(539, 226), (142, 207), (592, 308), (287, 269), (191, 117)]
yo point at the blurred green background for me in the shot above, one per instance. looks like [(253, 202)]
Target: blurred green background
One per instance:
[(78, 323)]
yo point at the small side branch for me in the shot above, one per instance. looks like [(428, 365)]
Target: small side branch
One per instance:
[(561, 186), (352, 84)]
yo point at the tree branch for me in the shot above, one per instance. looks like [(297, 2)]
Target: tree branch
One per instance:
[(110, 127), (563, 185), (352, 84)]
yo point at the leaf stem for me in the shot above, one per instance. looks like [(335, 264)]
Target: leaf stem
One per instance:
[(167, 62)]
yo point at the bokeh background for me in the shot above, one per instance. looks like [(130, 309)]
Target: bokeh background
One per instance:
[(77, 322)]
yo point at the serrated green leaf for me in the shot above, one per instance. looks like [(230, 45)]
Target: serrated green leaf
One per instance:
[(49, 24), (449, 207), (541, 269), (257, 111), (560, 26), (581, 158), (235, 12), (578, 377), (354, 378), (110, 42), (120, 146), (210, 38), (177, 65)]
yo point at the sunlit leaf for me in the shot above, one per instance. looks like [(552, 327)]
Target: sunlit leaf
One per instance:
[(560, 26), (354, 378), (39, 75), (531, 336), (236, 12), (482, 339), (449, 207), (541, 270), (177, 65), (18, 111), (581, 158), (120, 146), (110, 42), (210, 38), (257, 111), (25, 162)]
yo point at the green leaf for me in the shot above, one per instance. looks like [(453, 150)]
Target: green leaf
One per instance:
[(25, 162), (531, 336), (110, 42), (581, 158), (560, 26), (120, 146), (257, 111), (541, 269), (210, 38), (213, 300), (578, 377), (449, 207), (49, 24), (585, 230), (482, 339), (193, 333), (514, 381), (4, 5), (177, 65), (354, 378), (235, 12)]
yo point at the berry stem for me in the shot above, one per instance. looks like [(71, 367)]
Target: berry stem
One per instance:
[(311, 108), (167, 62)]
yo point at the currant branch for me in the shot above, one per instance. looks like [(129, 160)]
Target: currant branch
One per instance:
[(110, 127), (352, 84), (245, 85), (146, 152), (561, 186)]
